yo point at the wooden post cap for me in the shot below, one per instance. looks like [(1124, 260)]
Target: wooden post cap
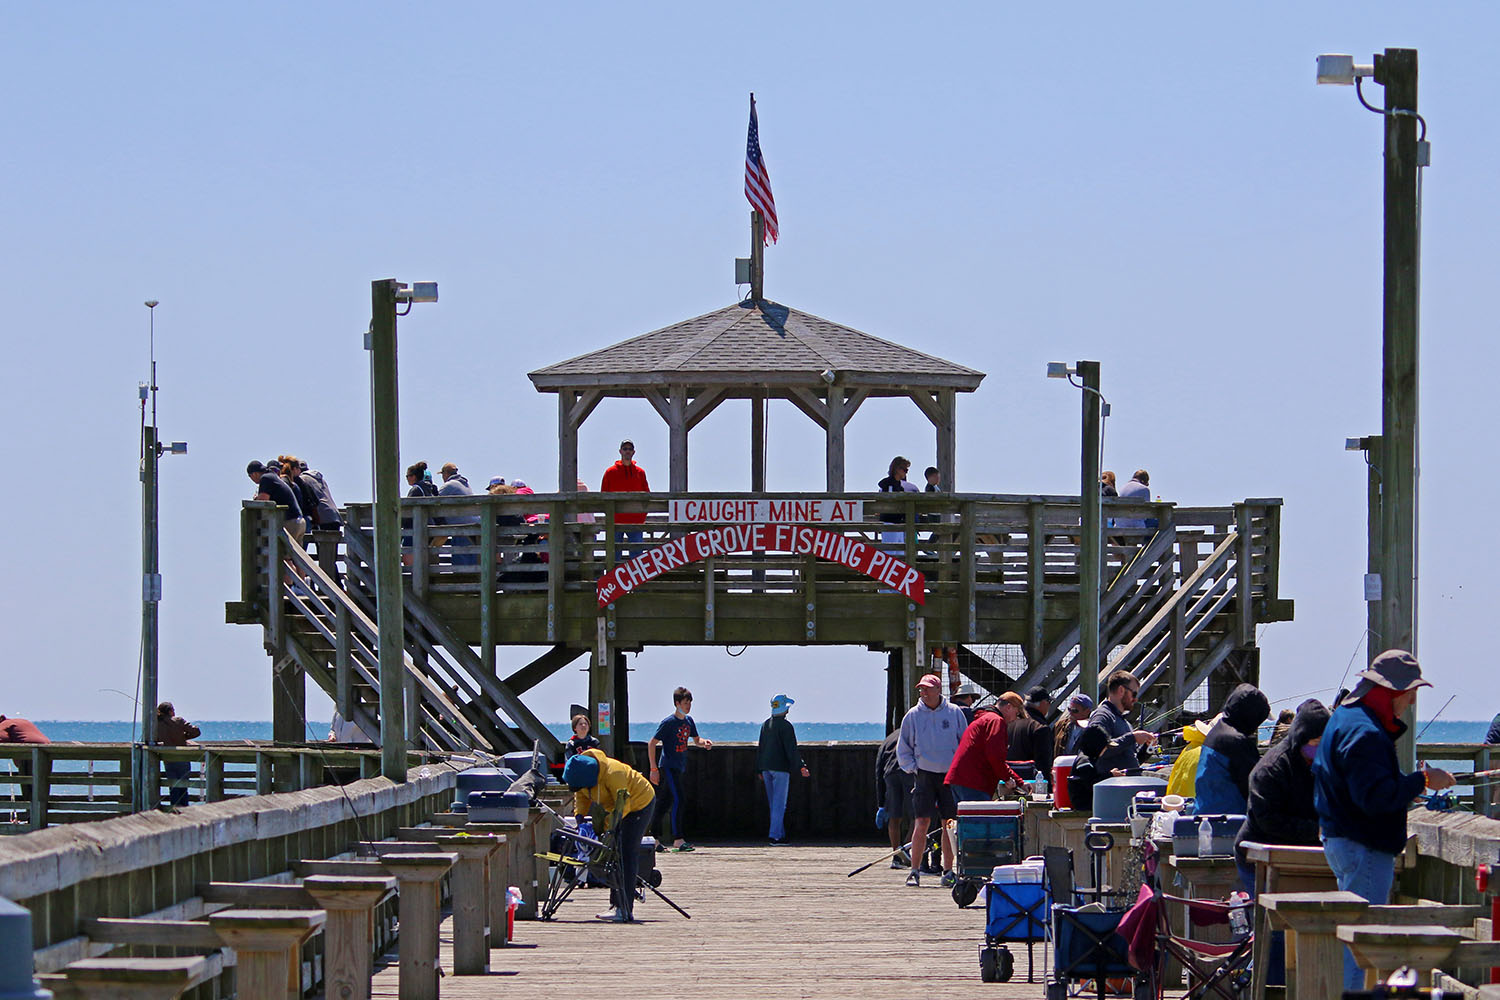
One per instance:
[(265, 930), (481, 846), (334, 892), (425, 867), (1306, 902)]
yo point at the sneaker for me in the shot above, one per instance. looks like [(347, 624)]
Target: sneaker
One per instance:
[(612, 915), (949, 880), (914, 879), (777, 843), (903, 857), (684, 848), (898, 864)]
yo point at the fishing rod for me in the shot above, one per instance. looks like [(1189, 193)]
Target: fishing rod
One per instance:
[(1434, 719), (891, 854)]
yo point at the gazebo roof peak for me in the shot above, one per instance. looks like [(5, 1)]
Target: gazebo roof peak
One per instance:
[(757, 343)]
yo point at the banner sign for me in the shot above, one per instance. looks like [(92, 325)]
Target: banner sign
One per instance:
[(760, 511), (847, 550)]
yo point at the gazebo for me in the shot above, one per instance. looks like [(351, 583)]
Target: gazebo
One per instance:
[(756, 350)]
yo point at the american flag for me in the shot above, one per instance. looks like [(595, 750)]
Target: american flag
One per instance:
[(757, 181)]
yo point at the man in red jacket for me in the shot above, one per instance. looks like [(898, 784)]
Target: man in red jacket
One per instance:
[(979, 764), (626, 477)]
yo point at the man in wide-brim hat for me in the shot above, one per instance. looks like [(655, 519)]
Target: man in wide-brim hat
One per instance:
[(1360, 792)]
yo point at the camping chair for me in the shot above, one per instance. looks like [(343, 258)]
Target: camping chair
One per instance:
[(1215, 969), (1087, 946), (1057, 862), (599, 855)]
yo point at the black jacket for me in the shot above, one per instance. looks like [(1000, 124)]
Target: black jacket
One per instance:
[(1030, 740), (885, 764), (1281, 786), (1043, 739), (1230, 752)]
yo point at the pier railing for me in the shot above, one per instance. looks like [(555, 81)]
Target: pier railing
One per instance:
[(51, 784), (1185, 588)]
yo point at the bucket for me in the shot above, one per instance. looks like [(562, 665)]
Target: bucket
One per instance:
[(1061, 768), (1172, 803)]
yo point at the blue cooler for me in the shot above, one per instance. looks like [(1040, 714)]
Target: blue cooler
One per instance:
[(498, 807), (478, 779)]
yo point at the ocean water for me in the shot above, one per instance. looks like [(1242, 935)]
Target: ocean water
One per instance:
[(1441, 731)]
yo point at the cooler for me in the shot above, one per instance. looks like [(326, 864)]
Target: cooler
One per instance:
[(1061, 768), (988, 834), (498, 807), (1185, 835)]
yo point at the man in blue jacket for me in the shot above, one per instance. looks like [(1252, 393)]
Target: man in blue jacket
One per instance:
[(1230, 753), (1359, 789)]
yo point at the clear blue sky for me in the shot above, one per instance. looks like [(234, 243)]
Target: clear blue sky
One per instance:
[(1160, 187)]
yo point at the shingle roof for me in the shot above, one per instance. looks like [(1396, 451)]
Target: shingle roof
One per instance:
[(761, 341)]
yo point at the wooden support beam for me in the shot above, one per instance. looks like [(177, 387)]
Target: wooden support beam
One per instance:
[(658, 402), (703, 404), (583, 405), (567, 443), (947, 439), (929, 405), (602, 692), (853, 400), (808, 403), (543, 666), (156, 933), (758, 441), (677, 427), (264, 942), (835, 429)]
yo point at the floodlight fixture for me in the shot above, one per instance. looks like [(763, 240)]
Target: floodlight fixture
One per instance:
[(1059, 369), (418, 291), (1341, 70)]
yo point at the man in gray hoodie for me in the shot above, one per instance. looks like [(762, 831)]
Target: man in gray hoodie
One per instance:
[(929, 738)]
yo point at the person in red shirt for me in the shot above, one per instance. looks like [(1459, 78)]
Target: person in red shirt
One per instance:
[(20, 731), (626, 477), (980, 764)]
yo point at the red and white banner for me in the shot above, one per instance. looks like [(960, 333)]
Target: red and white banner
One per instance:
[(747, 511), (847, 550)]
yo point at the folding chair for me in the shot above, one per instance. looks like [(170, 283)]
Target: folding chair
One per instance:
[(569, 870), (1087, 946), (1214, 968), (1057, 862)]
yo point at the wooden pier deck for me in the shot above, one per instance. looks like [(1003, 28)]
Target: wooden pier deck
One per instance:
[(767, 922)]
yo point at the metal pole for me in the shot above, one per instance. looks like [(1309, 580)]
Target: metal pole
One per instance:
[(1090, 569), (150, 585), (386, 462), (1397, 71)]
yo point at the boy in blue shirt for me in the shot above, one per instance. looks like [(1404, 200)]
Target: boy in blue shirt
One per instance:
[(666, 752)]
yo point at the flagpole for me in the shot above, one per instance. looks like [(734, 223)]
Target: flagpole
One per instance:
[(757, 255)]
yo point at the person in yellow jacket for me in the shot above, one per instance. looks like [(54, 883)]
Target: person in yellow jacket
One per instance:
[(596, 779), (1184, 777)]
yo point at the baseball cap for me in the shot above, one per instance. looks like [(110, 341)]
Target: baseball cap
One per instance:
[(930, 680), (1038, 694), (1081, 701), (497, 480)]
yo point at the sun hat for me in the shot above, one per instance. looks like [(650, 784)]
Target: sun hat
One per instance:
[(581, 771), (780, 704), (1395, 669)]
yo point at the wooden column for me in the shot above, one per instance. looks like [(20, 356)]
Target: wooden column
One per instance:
[(602, 691), (265, 943), (347, 944), (835, 439), (502, 864), (758, 441), (472, 929), (678, 428), (621, 720), (947, 439), (419, 875), (567, 443)]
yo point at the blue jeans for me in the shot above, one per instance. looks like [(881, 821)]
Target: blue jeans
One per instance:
[(1365, 872), (671, 783), (628, 844), (177, 774), (624, 554), (777, 783), (963, 793)]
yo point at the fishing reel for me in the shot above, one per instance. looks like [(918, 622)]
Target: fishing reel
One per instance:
[(1440, 801)]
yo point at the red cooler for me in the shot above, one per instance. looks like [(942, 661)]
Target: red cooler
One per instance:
[(1061, 768)]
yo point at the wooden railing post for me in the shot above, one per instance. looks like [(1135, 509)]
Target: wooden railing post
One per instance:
[(1036, 582), (1245, 575), (347, 941), (136, 978), (472, 930), (265, 943), (419, 875)]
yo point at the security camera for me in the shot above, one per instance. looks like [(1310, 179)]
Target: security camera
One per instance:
[(828, 375)]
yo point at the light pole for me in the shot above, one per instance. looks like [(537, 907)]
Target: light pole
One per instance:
[(151, 451), (1090, 563), (385, 440), (1395, 463)]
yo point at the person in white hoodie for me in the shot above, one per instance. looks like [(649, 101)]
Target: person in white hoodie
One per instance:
[(929, 738)]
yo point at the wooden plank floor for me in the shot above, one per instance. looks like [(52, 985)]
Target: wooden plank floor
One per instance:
[(767, 922)]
